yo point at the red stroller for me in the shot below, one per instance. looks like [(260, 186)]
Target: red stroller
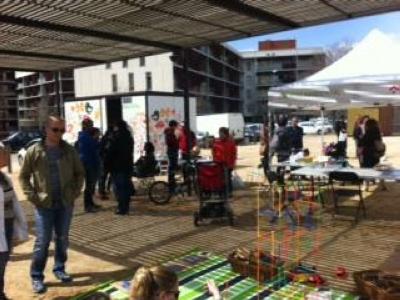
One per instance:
[(212, 190)]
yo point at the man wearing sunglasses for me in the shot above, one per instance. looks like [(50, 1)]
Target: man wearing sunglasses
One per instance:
[(57, 175)]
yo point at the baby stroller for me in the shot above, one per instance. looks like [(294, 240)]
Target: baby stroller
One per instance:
[(212, 190)]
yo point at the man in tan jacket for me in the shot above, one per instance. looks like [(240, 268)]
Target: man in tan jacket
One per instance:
[(51, 178)]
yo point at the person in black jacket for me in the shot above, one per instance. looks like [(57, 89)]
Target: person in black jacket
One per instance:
[(281, 143), (105, 180), (121, 150), (146, 165), (296, 135), (369, 154)]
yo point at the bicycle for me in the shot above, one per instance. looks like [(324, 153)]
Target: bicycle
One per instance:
[(159, 191)]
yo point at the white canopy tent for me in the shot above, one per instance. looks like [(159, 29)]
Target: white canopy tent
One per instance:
[(367, 75)]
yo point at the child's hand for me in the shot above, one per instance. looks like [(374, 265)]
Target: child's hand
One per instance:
[(213, 289)]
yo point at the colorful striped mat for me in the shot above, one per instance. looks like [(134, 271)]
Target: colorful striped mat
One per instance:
[(196, 268)]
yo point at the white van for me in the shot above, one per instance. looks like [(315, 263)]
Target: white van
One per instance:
[(210, 124)]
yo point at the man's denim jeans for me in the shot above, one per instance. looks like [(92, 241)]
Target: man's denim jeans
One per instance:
[(172, 166), (49, 220), (91, 176), (122, 189)]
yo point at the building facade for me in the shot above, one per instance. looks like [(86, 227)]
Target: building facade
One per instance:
[(41, 94), (8, 103), (275, 63), (214, 77)]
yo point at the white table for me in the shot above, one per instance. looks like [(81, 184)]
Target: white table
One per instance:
[(363, 173), (290, 164)]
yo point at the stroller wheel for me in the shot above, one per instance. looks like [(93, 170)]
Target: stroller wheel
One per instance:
[(196, 219), (159, 192), (230, 218)]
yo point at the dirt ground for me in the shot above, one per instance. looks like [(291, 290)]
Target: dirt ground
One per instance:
[(106, 247)]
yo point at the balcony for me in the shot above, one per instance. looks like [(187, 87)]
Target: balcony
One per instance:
[(28, 108), (27, 121), (263, 94), (307, 65), (269, 82), (7, 81), (210, 75), (30, 96), (47, 76), (214, 59)]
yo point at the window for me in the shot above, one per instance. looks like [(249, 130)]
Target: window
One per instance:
[(142, 61), (114, 81), (249, 80), (248, 94), (131, 79), (125, 63), (149, 84), (108, 65), (248, 65)]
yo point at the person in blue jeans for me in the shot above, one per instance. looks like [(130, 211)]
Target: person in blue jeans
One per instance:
[(89, 153), (51, 178), (122, 166)]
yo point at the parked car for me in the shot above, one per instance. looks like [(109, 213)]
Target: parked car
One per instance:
[(328, 126), (22, 152), (212, 123), (200, 138), (20, 138), (203, 139), (252, 132), (310, 127)]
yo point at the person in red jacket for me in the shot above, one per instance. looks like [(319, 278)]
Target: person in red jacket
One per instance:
[(224, 150), (185, 136)]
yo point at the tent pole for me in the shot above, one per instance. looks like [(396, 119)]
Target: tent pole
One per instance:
[(186, 107), (186, 99), (322, 130)]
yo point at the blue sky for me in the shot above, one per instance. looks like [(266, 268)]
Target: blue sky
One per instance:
[(329, 34)]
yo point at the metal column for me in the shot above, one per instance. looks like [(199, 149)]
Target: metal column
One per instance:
[(186, 99), (58, 96)]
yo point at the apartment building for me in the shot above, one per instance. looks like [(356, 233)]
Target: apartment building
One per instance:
[(214, 77), (8, 103), (41, 94), (275, 63)]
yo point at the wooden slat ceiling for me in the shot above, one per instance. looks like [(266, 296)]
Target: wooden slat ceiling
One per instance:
[(59, 34)]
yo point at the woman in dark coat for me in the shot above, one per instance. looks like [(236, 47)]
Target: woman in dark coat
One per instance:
[(369, 146), (369, 153)]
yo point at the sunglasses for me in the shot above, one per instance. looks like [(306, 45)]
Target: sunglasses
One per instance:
[(56, 130), (175, 293)]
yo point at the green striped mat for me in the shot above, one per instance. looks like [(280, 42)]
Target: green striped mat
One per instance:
[(195, 269)]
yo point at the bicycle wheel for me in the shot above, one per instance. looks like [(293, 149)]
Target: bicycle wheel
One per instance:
[(159, 192)]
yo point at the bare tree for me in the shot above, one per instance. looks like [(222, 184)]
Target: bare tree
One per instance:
[(338, 49)]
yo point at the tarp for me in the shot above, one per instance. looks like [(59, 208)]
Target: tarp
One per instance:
[(368, 75)]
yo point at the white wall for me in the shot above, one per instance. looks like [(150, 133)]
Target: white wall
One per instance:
[(96, 80)]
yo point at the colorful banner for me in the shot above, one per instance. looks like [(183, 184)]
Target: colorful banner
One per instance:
[(76, 111), (134, 113), (161, 110), (353, 114)]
